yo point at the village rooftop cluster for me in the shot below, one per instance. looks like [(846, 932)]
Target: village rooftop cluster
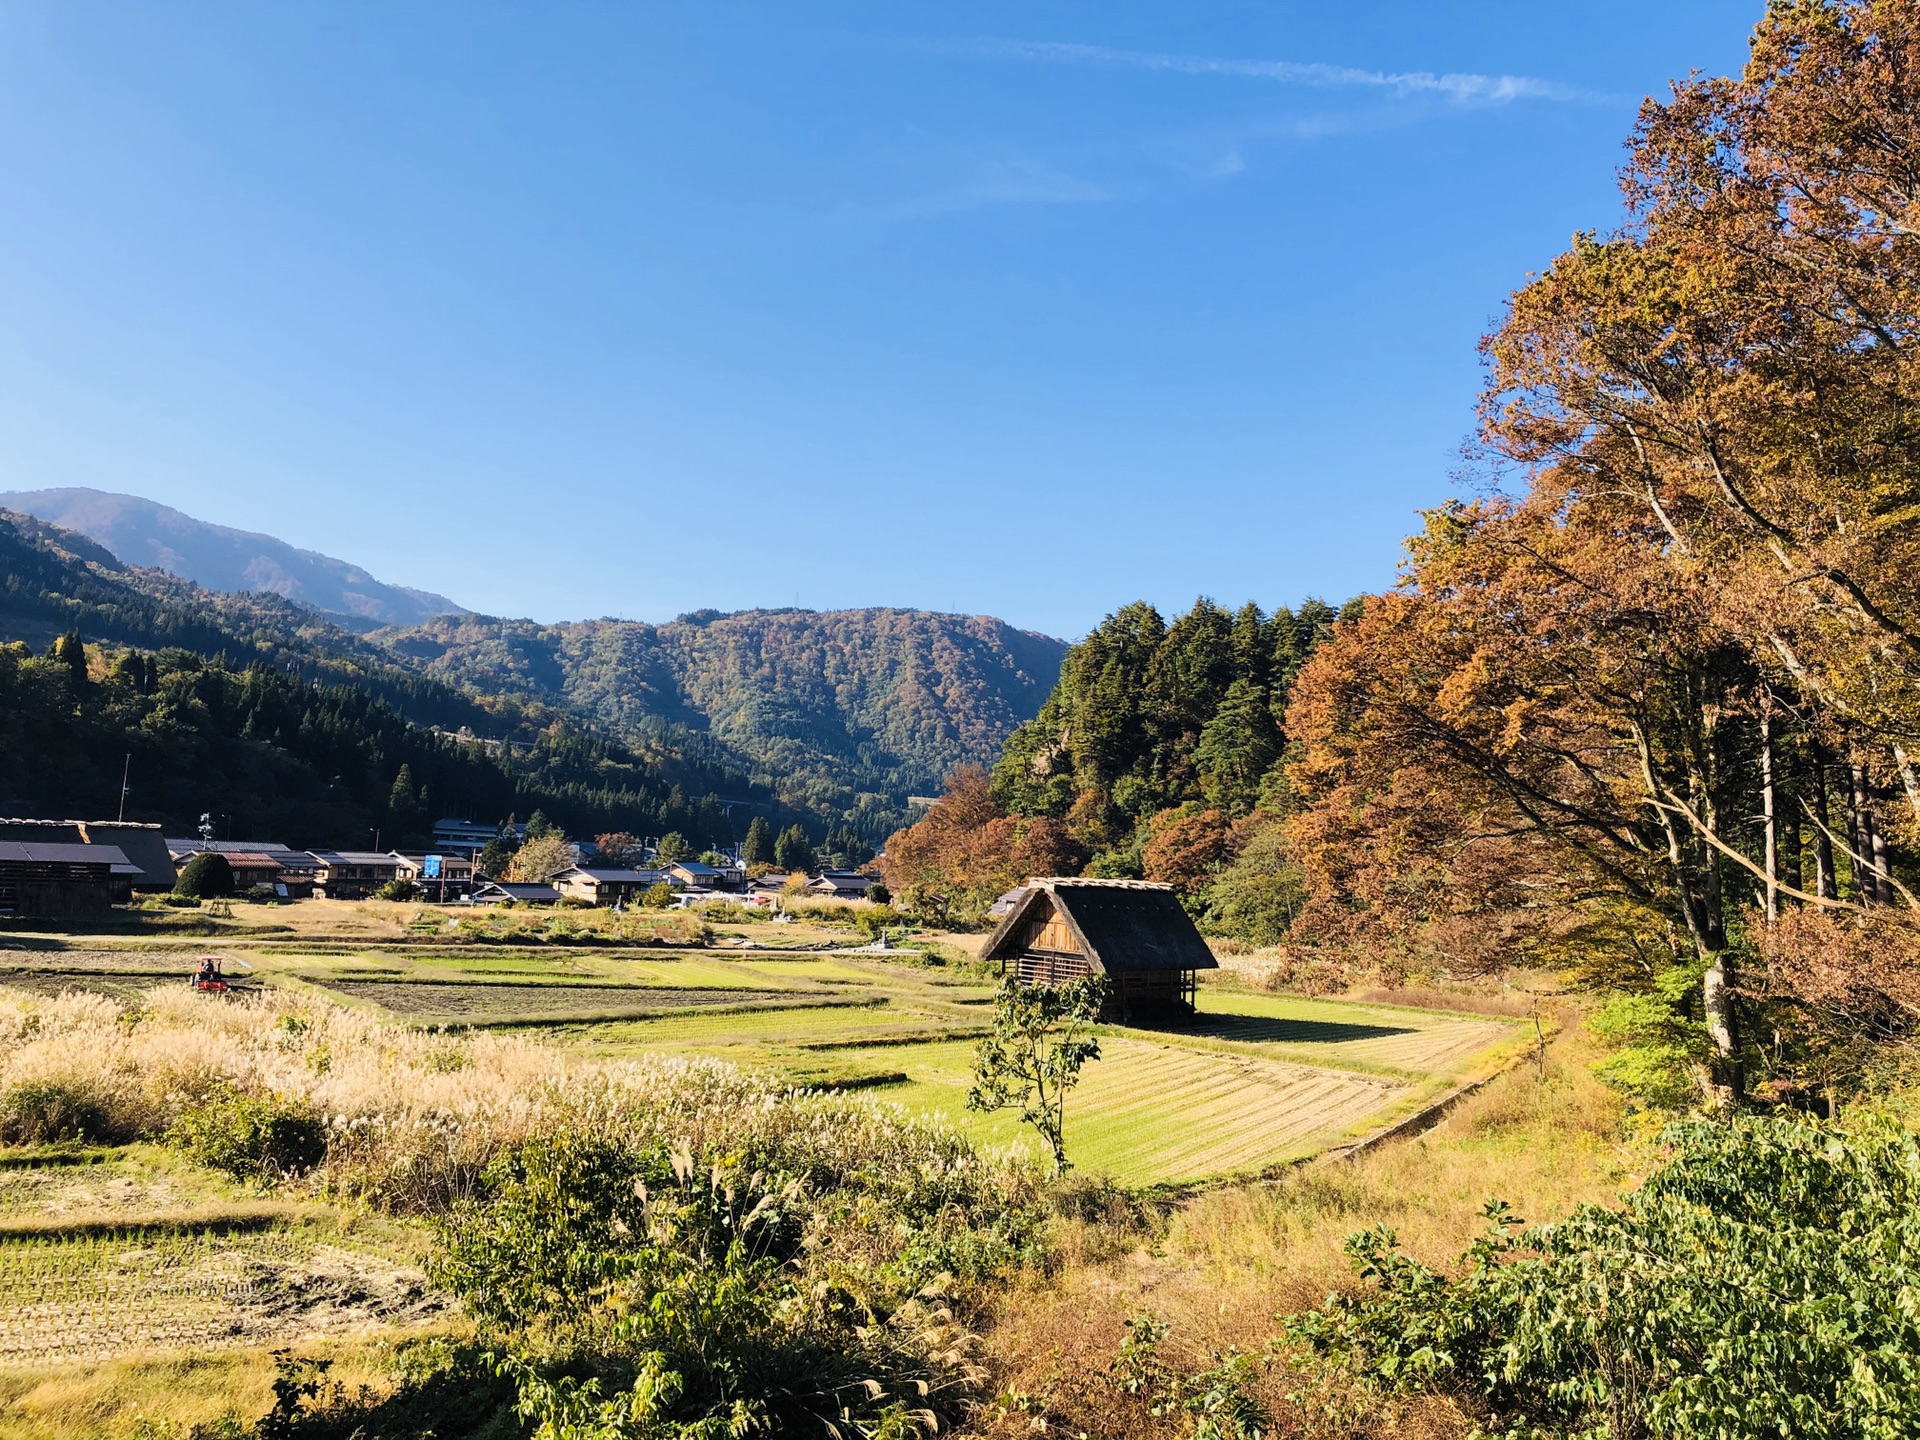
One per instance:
[(70, 867)]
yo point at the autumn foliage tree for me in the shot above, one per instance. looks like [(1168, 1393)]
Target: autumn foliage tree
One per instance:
[(966, 850), (1642, 710)]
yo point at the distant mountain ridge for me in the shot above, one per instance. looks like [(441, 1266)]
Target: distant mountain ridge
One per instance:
[(880, 703), (842, 715), (217, 557)]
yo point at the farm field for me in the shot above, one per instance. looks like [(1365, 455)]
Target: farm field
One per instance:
[(133, 1250), (132, 1256), (1255, 1081)]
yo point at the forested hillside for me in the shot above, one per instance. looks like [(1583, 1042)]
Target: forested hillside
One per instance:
[(1158, 755), (261, 712), (844, 713)]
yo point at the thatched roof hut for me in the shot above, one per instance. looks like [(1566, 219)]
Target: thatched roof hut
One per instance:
[(1133, 932)]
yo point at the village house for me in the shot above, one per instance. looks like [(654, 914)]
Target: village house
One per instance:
[(599, 885), (253, 869), (141, 846), (43, 879), (291, 874), (353, 874), (842, 884), (496, 892), (697, 875), (440, 877), (1136, 934)]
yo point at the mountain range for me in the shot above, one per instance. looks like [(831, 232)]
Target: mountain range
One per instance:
[(840, 715), (158, 537)]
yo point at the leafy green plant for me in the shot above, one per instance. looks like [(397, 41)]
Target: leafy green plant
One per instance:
[(262, 1138), (1034, 1054), (204, 877), (1760, 1284), (397, 889), (45, 1112), (635, 1293), (441, 1390)]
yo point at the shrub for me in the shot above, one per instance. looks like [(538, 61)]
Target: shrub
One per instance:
[(682, 1289), (1759, 1284), (48, 1112), (252, 1137), (442, 1390), (398, 888), (206, 876)]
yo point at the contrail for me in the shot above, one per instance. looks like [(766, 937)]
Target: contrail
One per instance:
[(1462, 89)]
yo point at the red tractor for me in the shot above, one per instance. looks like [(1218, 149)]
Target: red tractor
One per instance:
[(208, 977)]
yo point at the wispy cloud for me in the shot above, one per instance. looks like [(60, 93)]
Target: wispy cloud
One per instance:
[(1455, 87), (1016, 180)]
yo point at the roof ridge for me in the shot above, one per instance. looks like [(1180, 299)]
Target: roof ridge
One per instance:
[(1055, 881)]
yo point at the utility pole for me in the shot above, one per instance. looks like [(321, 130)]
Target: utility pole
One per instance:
[(126, 771)]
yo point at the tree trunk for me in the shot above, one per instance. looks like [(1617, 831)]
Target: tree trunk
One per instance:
[(1827, 882), (1793, 852), (1769, 817), (1716, 1000), (1859, 841), (1882, 862)]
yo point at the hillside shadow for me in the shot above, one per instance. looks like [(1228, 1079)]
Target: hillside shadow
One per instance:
[(1260, 1030)]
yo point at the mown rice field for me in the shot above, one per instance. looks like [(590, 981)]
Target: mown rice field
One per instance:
[(1253, 1081)]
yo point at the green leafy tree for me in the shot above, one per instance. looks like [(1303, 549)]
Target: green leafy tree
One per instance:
[(1237, 748), (1757, 1285), (407, 819), (1034, 1054), (494, 859), (207, 876), (757, 848), (673, 846), (71, 651), (1256, 897), (793, 852), (539, 827)]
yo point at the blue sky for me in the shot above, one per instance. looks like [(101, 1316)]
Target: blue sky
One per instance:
[(576, 309)]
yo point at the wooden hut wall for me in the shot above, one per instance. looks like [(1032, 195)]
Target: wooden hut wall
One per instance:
[(30, 888), (1049, 953)]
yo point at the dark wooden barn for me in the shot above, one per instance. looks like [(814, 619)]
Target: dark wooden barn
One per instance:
[(44, 879), (1135, 933)]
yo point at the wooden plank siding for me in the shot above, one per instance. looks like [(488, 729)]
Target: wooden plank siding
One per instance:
[(1042, 945)]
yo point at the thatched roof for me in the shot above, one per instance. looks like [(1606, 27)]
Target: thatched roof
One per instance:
[(1123, 926)]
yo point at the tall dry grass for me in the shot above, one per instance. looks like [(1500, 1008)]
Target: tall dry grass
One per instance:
[(1222, 1269), (412, 1118)]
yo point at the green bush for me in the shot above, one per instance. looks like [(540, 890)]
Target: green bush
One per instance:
[(1761, 1284), (48, 1112), (181, 902), (261, 1138), (206, 876), (442, 1390), (640, 1290), (398, 888)]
